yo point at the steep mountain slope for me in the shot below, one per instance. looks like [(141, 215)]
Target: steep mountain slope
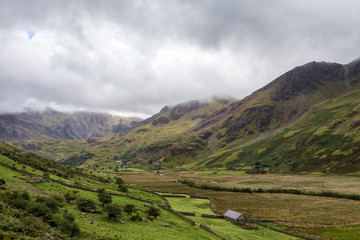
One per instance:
[(53, 124), (324, 140)]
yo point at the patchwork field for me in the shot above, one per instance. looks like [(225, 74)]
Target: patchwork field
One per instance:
[(221, 226), (322, 217)]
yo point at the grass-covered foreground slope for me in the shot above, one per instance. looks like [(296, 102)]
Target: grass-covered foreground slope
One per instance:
[(41, 201)]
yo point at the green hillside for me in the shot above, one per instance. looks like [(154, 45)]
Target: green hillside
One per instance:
[(44, 200), (324, 140)]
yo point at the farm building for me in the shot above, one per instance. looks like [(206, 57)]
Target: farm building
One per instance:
[(236, 217)]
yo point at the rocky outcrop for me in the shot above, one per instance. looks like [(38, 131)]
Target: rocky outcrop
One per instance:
[(160, 120), (307, 79), (181, 109), (152, 118)]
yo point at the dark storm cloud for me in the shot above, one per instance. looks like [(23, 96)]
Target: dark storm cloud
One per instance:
[(137, 56)]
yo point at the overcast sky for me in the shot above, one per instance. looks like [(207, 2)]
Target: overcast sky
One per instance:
[(134, 57)]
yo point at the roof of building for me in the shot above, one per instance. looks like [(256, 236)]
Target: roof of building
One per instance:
[(232, 214)]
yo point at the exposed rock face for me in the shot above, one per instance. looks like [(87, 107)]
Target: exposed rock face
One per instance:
[(81, 125), (181, 109), (152, 118), (307, 79), (160, 120)]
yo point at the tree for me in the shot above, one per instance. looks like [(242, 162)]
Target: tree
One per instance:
[(86, 205), (153, 212), (68, 226), (49, 202), (113, 211), (123, 189), (25, 195), (69, 197), (104, 197), (2, 181), (119, 181), (129, 208), (40, 210)]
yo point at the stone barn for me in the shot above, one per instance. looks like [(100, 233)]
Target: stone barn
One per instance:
[(236, 217)]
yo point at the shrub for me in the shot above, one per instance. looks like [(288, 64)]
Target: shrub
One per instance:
[(34, 227), (68, 226), (113, 211), (20, 203), (49, 202), (2, 181), (188, 183), (123, 189), (25, 195), (136, 217), (119, 181), (86, 205), (153, 211), (70, 197), (104, 197), (129, 208), (8, 223), (40, 210)]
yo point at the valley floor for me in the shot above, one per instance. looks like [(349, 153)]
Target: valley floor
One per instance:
[(312, 216)]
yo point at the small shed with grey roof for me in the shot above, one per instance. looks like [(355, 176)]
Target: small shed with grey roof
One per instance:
[(236, 217)]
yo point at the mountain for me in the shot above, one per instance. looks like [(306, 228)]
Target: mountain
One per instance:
[(52, 124), (141, 145), (306, 120)]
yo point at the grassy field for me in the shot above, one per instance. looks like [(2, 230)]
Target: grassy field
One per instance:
[(317, 183), (329, 218), (194, 205), (221, 226)]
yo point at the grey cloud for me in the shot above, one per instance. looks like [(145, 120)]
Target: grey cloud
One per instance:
[(137, 56)]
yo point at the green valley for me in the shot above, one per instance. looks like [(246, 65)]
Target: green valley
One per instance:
[(286, 156)]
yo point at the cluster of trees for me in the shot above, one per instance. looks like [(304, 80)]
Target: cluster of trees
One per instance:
[(259, 168), (33, 215), (113, 210)]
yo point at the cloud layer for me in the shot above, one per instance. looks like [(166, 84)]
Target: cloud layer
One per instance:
[(137, 56)]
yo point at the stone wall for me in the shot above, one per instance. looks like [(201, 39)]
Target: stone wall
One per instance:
[(211, 216), (203, 226), (188, 214)]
